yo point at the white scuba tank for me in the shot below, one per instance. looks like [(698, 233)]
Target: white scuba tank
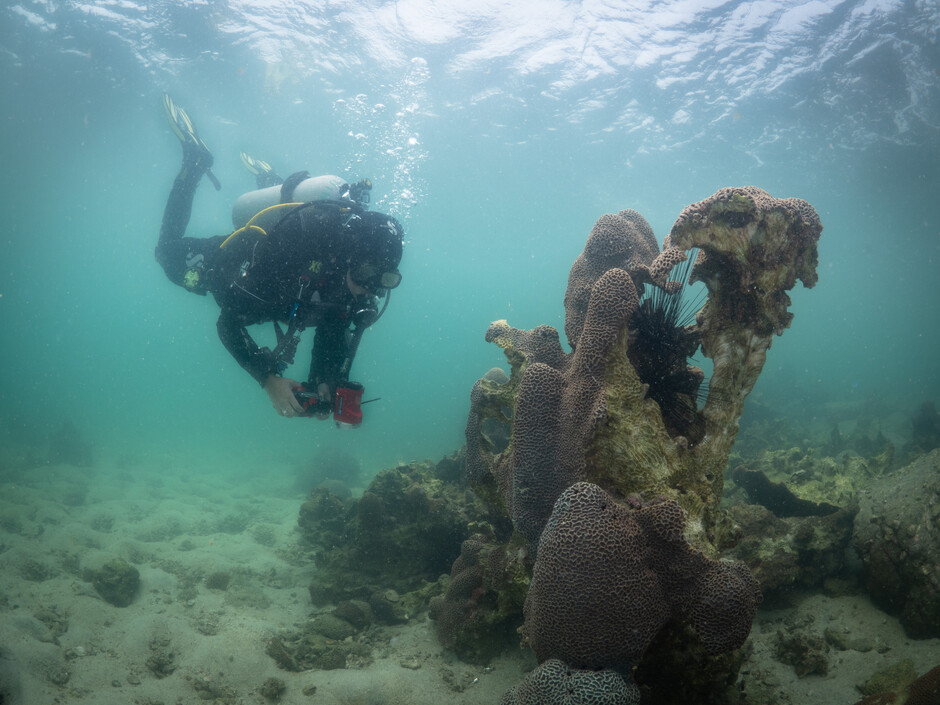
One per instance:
[(316, 188)]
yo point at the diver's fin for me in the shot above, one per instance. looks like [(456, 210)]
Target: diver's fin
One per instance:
[(255, 166), (179, 121), (185, 131), (264, 173)]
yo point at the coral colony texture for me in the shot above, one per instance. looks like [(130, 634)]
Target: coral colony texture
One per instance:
[(554, 683), (637, 572), (614, 469)]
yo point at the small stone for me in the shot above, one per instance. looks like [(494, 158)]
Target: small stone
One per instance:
[(275, 649), (75, 652), (273, 689), (387, 607), (116, 581), (357, 612), (218, 580), (60, 677), (837, 637), (862, 644), (332, 627)]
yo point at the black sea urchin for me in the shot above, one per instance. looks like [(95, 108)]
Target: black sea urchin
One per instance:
[(663, 337)]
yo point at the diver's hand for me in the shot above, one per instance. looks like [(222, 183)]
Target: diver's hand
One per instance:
[(281, 393)]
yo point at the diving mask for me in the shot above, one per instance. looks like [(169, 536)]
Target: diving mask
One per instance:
[(372, 277)]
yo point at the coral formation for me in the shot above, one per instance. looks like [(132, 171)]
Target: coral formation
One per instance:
[(484, 597), (677, 669), (607, 579), (598, 426), (555, 683), (116, 581), (926, 689), (785, 553), (403, 533), (327, 641), (587, 415), (777, 497), (896, 536), (786, 539)]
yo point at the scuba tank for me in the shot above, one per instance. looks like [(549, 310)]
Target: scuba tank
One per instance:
[(315, 188)]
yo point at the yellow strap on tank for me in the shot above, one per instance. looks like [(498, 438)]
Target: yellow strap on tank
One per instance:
[(239, 232), (250, 225)]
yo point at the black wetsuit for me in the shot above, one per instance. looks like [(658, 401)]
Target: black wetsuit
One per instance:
[(298, 269)]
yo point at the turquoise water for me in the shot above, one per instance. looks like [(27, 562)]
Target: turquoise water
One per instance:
[(498, 136)]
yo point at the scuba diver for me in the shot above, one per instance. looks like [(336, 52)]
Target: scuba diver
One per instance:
[(306, 252)]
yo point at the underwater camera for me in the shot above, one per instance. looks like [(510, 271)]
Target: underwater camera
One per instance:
[(346, 405)]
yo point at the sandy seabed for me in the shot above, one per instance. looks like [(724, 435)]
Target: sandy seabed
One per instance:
[(183, 642)]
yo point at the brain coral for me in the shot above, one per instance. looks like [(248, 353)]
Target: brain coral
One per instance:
[(607, 579), (622, 241), (558, 404), (555, 683)]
